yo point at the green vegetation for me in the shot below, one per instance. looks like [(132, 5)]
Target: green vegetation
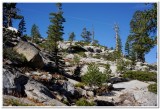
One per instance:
[(82, 43), (112, 56), (153, 88), (82, 54), (143, 33), (71, 37), (44, 45), (97, 56), (12, 102), (94, 76), (21, 27), (76, 60), (86, 35), (35, 33), (84, 102), (141, 75), (27, 37), (9, 53), (107, 71), (79, 85), (10, 11), (121, 65), (55, 32)]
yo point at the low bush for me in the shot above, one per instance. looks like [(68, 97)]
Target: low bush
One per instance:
[(82, 54), (76, 60), (79, 85), (121, 67), (12, 102), (82, 43), (44, 45), (152, 88), (94, 77), (84, 102), (112, 56), (97, 56), (141, 75), (9, 53), (107, 71)]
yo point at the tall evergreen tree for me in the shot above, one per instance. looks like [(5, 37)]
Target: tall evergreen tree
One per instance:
[(86, 35), (72, 37), (10, 11), (21, 26), (142, 25), (127, 47), (35, 34), (55, 31)]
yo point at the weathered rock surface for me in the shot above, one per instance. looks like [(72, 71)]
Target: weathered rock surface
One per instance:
[(13, 82), (37, 91), (31, 53), (139, 91), (68, 86)]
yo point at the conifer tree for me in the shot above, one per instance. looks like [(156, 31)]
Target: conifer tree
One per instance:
[(143, 25), (71, 37), (55, 31), (21, 27), (35, 34), (10, 11), (86, 35)]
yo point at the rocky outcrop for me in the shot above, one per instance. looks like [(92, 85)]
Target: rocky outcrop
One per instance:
[(93, 49), (137, 93), (69, 87), (31, 53), (37, 91), (13, 82), (75, 49)]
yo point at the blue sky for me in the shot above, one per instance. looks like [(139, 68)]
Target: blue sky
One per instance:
[(79, 15)]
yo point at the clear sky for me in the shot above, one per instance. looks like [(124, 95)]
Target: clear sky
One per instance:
[(79, 15)]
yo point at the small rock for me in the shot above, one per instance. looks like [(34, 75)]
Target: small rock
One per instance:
[(35, 73), (90, 93)]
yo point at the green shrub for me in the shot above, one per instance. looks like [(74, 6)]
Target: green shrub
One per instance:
[(141, 75), (79, 85), (152, 88), (82, 54), (9, 53), (82, 43), (76, 59), (121, 65), (97, 56), (107, 71), (44, 45), (27, 37), (112, 56), (12, 102), (154, 67), (94, 76), (84, 102)]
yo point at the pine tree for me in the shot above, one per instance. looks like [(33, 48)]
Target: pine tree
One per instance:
[(71, 37), (55, 31), (86, 35), (35, 33), (10, 11), (21, 27), (127, 47), (142, 25)]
